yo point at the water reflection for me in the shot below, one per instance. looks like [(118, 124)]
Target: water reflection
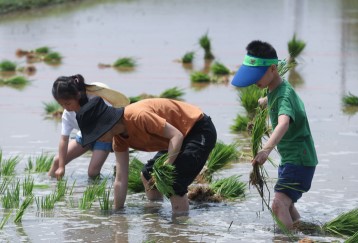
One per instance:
[(295, 78)]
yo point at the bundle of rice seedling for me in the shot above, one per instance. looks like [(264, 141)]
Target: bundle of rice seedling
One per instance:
[(345, 224), (15, 81), (205, 43), (220, 156), (199, 77), (125, 62), (135, 183), (249, 97), (172, 93), (163, 176), (229, 188), (353, 238), (295, 47), (350, 99), (52, 58), (240, 123), (203, 193), (283, 67), (7, 66), (219, 69), (188, 57)]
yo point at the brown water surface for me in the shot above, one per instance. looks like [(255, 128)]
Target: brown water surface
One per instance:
[(156, 33)]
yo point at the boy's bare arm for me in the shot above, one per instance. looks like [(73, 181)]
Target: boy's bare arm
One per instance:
[(276, 136)]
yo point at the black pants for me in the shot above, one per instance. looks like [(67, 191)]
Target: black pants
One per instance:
[(192, 157)]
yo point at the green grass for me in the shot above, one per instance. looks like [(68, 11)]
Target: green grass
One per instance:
[(345, 224), (135, 183), (163, 175), (125, 62), (350, 99), (205, 43), (199, 77), (7, 66), (188, 57), (229, 188), (219, 69)]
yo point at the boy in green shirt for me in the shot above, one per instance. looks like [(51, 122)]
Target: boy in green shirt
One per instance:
[(291, 132)]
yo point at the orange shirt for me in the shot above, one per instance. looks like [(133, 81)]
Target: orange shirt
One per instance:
[(145, 121)]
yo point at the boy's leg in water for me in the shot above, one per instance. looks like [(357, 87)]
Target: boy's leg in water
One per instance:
[(281, 208)]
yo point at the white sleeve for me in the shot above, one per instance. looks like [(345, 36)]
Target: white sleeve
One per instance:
[(69, 122)]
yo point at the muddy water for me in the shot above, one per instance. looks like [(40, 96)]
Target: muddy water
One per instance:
[(157, 33)]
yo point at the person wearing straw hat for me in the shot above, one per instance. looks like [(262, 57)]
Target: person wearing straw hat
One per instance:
[(291, 132), (180, 129), (71, 92)]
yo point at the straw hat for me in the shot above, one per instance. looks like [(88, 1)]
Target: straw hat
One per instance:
[(115, 98)]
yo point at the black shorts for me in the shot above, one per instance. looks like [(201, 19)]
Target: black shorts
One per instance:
[(192, 157)]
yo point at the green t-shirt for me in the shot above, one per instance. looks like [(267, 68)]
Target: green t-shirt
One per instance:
[(296, 146)]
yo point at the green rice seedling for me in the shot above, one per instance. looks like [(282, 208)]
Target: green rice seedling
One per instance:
[(125, 62), (42, 163), (350, 99), (295, 47), (91, 193), (42, 50), (188, 57), (5, 183), (172, 93), (5, 219), (15, 81), (352, 239), (7, 66), (60, 190), (52, 58), (163, 176), (104, 202), (53, 109), (199, 77), (27, 186), (7, 167), (135, 183), (220, 156), (72, 187), (283, 67), (11, 198), (345, 224), (240, 123), (24, 205), (249, 97), (229, 188), (205, 43), (219, 69), (46, 202)]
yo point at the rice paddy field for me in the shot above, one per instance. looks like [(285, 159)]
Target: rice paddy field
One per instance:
[(155, 35)]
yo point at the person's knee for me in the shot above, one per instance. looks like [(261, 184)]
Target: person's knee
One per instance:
[(281, 202), (93, 172)]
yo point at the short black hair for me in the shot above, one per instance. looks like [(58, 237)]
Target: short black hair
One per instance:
[(261, 49)]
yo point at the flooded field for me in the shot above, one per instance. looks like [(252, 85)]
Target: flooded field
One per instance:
[(157, 33)]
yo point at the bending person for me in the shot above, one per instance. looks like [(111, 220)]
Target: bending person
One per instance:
[(152, 125), (71, 93)]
